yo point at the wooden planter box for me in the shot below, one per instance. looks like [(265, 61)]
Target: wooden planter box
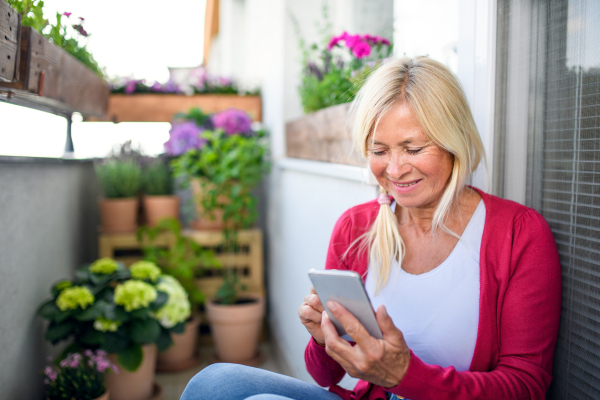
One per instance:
[(162, 107), (322, 136), (50, 79), (10, 23)]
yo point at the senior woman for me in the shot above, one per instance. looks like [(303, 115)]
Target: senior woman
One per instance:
[(467, 286)]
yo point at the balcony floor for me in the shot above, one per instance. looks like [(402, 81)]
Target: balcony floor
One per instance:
[(174, 383)]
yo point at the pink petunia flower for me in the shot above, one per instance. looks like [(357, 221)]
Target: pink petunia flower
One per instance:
[(67, 14), (333, 42), (361, 50), (352, 41)]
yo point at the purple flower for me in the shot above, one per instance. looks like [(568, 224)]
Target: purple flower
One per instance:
[(361, 50), (82, 19), (156, 87), (184, 136), (101, 353), (232, 121), (64, 363), (130, 87), (88, 353), (67, 14), (50, 373), (79, 28), (171, 87)]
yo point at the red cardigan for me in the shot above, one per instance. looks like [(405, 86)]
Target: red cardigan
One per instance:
[(519, 312)]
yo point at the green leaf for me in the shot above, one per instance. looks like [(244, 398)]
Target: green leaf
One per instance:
[(83, 274), (59, 331), (142, 313), (48, 310), (179, 328), (144, 331), (116, 313), (164, 340), (91, 337), (131, 357), (161, 300), (115, 342), (93, 312)]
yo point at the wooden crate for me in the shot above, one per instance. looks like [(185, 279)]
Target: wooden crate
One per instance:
[(49, 78), (10, 42), (248, 262), (148, 107)]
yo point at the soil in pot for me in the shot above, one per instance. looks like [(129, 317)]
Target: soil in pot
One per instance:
[(157, 208), (183, 353), (119, 215), (236, 328), (137, 385)]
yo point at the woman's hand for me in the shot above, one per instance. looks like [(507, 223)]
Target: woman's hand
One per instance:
[(383, 362), (310, 313)]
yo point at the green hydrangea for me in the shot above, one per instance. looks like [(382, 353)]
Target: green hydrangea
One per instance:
[(145, 270), (62, 285), (134, 295), (106, 325), (178, 308), (73, 297), (104, 266)]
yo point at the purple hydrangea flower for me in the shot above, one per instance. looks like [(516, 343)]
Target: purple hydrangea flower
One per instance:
[(232, 121), (184, 136)]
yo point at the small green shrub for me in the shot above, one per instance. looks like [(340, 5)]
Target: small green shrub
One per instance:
[(157, 179), (119, 179)]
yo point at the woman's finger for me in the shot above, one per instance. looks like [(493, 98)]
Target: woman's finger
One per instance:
[(390, 332), (309, 314), (353, 327)]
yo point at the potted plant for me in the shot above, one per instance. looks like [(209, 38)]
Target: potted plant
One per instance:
[(120, 311), (79, 376), (121, 181), (184, 260), (159, 201), (224, 158), (235, 323)]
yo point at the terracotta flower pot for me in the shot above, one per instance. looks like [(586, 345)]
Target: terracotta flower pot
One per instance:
[(235, 329), (138, 385), (183, 353), (157, 208), (119, 215), (204, 223)]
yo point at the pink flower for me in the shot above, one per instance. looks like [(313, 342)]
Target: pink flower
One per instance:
[(82, 19), (67, 14), (102, 366), (233, 121), (88, 353), (64, 363), (333, 42), (50, 373), (115, 369), (361, 50), (352, 41), (101, 353)]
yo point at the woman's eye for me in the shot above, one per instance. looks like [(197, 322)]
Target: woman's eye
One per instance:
[(377, 152), (414, 151)]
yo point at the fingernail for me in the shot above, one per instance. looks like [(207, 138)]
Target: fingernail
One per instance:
[(332, 305)]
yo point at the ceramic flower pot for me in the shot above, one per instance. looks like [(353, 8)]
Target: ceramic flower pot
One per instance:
[(183, 353), (236, 328), (204, 223), (137, 385), (157, 208), (119, 215)]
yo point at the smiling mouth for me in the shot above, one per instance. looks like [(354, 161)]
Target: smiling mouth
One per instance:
[(406, 184)]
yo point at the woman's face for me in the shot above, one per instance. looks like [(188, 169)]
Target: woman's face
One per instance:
[(410, 167)]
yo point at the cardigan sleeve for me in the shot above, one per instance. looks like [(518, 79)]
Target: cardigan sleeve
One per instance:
[(529, 314)]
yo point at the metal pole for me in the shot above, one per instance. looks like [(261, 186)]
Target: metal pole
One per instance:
[(69, 149)]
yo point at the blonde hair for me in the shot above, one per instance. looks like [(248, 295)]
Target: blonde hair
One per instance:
[(438, 102)]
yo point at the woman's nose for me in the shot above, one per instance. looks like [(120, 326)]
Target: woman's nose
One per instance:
[(397, 166)]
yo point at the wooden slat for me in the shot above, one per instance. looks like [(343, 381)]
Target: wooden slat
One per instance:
[(10, 23), (68, 85), (162, 107), (322, 136)]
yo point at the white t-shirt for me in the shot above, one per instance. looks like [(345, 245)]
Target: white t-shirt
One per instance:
[(438, 311)]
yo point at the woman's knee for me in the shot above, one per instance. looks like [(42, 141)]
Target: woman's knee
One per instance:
[(211, 381)]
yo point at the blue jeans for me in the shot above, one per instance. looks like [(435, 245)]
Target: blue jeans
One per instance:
[(238, 382)]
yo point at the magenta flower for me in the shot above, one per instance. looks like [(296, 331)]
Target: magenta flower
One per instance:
[(361, 50), (130, 87), (82, 19), (67, 14), (352, 41), (232, 121), (184, 136), (50, 373), (333, 42), (79, 28)]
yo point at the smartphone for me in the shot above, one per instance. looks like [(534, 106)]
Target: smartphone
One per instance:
[(347, 288)]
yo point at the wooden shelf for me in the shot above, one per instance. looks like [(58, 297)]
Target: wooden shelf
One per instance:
[(149, 107), (44, 76), (248, 262)]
